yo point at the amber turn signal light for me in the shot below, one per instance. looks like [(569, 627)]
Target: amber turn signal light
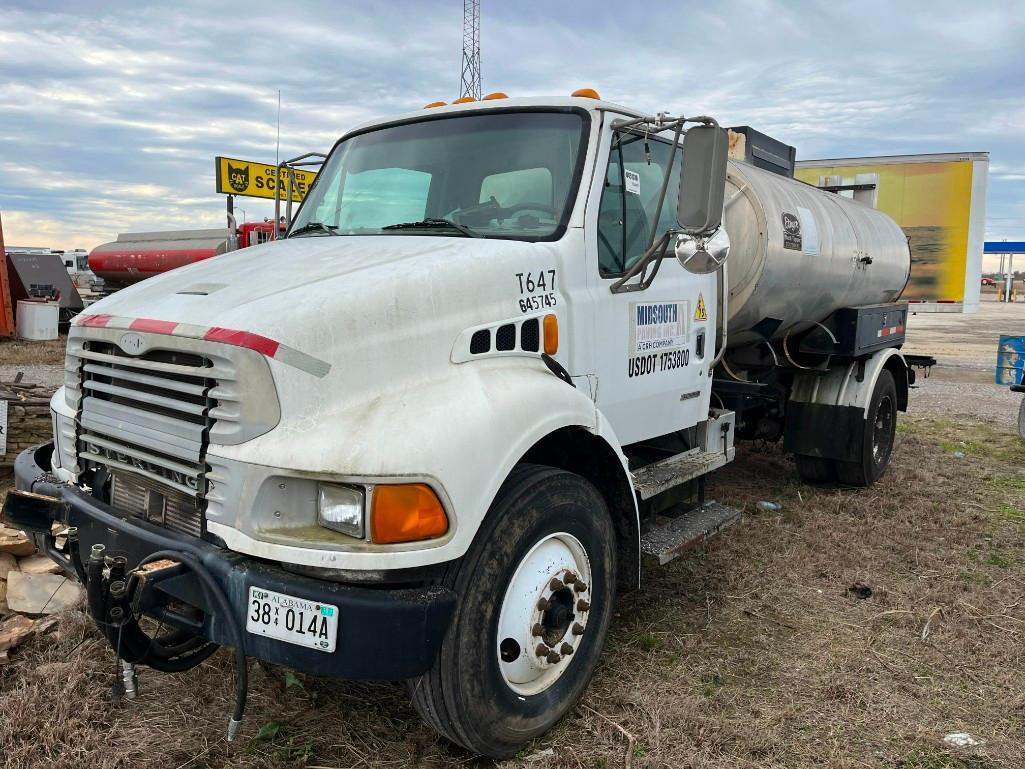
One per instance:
[(551, 325), (406, 512)]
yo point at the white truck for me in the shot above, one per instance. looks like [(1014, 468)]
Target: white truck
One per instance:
[(429, 434)]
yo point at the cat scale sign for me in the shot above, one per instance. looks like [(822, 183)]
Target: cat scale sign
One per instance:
[(260, 180)]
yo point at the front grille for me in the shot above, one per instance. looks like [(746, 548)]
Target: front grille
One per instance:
[(147, 419), (152, 416), (154, 502)]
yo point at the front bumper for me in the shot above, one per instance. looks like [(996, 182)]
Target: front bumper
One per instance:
[(383, 633)]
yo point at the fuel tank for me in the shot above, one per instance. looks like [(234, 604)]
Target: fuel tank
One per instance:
[(798, 253)]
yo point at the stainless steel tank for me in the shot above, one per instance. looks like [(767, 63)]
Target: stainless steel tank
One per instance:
[(798, 253)]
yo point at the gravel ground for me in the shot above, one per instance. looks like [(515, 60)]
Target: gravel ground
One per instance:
[(952, 394)]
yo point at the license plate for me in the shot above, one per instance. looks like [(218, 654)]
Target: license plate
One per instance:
[(293, 620)]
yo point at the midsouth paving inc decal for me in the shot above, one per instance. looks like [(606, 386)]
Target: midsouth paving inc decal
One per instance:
[(658, 337)]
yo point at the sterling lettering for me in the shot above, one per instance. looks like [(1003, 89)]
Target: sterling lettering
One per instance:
[(174, 476)]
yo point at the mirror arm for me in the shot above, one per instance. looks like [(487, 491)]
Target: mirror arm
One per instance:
[(656, 253), (665, 182)]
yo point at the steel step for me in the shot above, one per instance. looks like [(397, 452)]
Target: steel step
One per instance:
[(690, 530), (659, 476)]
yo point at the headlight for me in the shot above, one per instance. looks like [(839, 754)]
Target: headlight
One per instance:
[(341, 508)]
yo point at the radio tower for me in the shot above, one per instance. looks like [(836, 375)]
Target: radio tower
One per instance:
[(470, 85)]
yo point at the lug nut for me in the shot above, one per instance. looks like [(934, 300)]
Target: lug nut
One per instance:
[(542, 650), (570, 578), (578, 629), (566, 649), (556, 584), (537, 629), (583, 605), (553, 657), (542, 604), (580, 587)]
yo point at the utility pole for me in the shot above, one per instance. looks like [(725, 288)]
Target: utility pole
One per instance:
[(471, 85)]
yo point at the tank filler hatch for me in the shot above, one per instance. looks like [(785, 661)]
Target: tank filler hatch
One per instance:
[(761, 150)]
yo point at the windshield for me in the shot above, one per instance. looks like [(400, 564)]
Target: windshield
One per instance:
[(502, 175)]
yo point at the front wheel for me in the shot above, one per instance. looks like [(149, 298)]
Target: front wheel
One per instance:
[(536, 591)]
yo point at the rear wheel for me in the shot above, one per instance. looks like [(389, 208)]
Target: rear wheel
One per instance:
[(880, 427), (536, 591)]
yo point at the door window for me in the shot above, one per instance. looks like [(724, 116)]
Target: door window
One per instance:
[(637, 167)]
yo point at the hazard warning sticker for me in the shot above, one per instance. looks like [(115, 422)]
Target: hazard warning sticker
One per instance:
[(700, 311)]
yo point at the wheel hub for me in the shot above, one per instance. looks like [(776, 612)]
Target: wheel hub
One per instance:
[(544, 614)]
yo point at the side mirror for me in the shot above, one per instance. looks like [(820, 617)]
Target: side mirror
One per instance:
[(703, 258), (702, 180)]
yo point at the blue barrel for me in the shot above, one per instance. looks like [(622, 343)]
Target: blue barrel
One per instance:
[(1011, 360)]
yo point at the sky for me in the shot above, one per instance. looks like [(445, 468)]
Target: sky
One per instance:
[(111, 113)]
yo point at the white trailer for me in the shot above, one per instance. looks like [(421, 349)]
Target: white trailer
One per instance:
[(430, 434)]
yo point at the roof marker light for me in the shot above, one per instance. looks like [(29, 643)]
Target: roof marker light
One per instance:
[(495, 95), (586, 93), (434, 104), (463, 100)]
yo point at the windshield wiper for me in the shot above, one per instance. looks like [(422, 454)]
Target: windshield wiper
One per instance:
[(314, 227), (430, 223)]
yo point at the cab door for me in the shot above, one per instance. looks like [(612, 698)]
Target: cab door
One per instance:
[(653, 347)]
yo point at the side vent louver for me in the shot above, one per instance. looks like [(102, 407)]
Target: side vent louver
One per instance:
[(530, 335), (505, 337), (520, 336), (480, 342)]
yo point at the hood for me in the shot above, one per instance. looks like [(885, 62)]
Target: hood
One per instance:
[(379, 309)]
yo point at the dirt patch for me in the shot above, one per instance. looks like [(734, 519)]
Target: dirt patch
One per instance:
[(752, 652), (21, 352)]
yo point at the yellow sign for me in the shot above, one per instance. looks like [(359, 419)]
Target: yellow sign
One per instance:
[(701, 312), (260, 180)]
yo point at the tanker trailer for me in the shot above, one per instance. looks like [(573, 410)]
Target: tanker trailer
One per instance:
[(135, 256), (811, 279), (798, 254)]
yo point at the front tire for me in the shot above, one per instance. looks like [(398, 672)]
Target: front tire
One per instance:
[(880, 429), (536, 590)]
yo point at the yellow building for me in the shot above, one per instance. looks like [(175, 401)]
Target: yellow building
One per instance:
[(940, 202)]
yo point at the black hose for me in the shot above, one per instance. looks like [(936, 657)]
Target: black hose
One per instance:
[(213, 592), (173, 652)]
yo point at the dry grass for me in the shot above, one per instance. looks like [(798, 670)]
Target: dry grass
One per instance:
[(19, 352), (747, 654)]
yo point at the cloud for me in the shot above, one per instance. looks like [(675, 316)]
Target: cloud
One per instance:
[(111, 113)]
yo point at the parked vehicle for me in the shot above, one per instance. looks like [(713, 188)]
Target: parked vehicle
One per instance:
[(430, 434), (135, 256)]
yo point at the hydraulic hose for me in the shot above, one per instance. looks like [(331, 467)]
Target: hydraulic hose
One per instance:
[(214, 593), (176, 651)]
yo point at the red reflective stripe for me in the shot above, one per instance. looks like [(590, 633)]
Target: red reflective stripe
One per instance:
[(155, 326), (245, 339), (94, 320)]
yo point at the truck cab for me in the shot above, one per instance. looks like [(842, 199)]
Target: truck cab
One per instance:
[(422, 436)]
